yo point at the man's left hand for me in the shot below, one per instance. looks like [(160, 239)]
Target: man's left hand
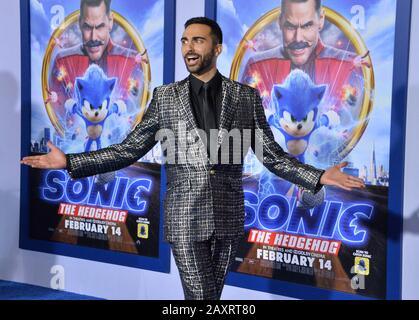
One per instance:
[(335, 177)]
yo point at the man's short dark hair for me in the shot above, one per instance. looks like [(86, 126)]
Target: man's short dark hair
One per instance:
[(216, 32), (318, 4), (94, 3)]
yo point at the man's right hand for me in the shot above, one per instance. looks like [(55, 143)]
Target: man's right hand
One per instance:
[(55, 159)]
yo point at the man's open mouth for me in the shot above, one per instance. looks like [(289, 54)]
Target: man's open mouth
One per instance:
[(192, 59)]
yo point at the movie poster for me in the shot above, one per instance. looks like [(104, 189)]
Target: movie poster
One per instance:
[(325, 78), (92, 74)]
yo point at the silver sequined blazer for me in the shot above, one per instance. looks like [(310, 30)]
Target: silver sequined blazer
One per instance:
[(202, 197)]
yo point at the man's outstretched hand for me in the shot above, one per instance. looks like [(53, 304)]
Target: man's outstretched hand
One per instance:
[(335, 177), (55, 159)]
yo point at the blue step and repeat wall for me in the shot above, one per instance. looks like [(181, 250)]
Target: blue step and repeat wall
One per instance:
[(354, 60), (82, 106), (355, 64)]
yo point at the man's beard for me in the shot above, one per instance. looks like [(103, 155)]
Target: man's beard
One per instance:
[(204, 66)]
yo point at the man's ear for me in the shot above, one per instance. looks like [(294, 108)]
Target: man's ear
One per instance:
[(322, 19), (279, 21), (111, 21), (218, 49)]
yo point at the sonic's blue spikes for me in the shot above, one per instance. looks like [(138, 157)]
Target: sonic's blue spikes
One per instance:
[(298, 95), (95, 88)]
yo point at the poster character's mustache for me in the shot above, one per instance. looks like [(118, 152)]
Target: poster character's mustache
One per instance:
[(298, 45), (93, 43)]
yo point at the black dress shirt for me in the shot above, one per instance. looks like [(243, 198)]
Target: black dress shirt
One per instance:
[(197, 94)]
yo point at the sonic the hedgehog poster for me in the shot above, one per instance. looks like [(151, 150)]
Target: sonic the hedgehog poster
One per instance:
[(324, 72), (93, 66)]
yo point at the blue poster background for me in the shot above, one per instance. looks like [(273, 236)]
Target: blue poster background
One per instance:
[(270, 206), (135, 239)]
